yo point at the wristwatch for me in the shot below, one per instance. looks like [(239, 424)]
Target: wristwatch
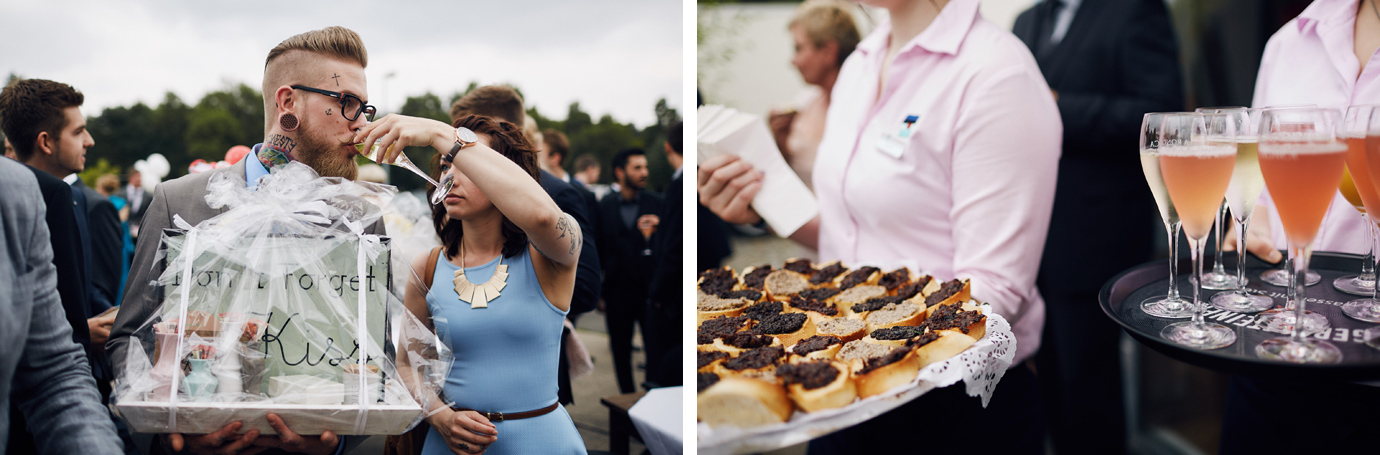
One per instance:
[(463, 138)]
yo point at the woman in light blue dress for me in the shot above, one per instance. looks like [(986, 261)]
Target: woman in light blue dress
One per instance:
[(500, 291)]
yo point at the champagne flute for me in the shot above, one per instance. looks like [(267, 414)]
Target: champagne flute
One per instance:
[(1302, 160), (1169, 305), (1359, 189), (1280, 276), (1219, 279), (1197, 156), (1242, 194), (1369, 129), (441, 188)]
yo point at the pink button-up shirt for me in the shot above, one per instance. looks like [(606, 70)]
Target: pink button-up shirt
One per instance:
[(951, 169), (1311, 61)]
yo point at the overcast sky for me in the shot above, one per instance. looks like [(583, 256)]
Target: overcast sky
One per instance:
[(615, 57)]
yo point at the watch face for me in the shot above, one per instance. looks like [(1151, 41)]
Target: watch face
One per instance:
[(464, 134)]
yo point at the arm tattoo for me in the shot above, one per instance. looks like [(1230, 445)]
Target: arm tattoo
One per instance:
[(566, 228)]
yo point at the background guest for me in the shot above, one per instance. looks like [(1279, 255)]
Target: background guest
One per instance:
[(627, 219), (663, 332), (824, 35), (1107, 63)]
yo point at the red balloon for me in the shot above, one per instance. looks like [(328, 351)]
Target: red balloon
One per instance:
[(236, 153)]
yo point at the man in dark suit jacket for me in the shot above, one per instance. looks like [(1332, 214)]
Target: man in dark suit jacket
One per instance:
[(663, 338), (1108, 62), (554, 148), (626, 221), (103, 225)]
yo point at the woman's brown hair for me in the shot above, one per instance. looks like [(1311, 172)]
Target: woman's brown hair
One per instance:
[(507, 139)]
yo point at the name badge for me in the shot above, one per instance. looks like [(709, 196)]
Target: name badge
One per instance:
[(894, 145)]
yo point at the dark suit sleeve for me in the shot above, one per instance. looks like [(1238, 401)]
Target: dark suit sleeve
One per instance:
[(66, 247), (1150, 81), (669, 241), (106, 243)]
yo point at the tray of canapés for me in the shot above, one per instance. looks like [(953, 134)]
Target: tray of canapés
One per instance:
[(789, 354)]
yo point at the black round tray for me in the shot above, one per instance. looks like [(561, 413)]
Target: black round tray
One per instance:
[(1121, 297)]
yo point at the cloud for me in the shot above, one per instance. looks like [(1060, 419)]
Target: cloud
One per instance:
[(613, 57)]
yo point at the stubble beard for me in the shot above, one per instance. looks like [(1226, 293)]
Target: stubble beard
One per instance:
[(323, 156)]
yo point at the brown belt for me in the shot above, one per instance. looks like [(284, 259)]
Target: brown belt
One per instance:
[(499, 416)]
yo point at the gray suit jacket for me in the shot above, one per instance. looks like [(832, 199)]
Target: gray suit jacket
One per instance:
[(186, 197), (41, 367)]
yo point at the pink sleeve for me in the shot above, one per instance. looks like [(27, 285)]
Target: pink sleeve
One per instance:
[(1005, 161)]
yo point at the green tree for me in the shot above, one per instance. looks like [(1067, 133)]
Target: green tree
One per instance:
[(210, 133), (102, 167)]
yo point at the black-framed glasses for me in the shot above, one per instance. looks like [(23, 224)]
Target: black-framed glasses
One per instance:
[(350, 106)]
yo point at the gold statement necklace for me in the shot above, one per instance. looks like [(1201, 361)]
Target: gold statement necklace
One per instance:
[(479, 295)]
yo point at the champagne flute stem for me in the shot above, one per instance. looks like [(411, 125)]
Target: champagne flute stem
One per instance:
[(1197, 249), (1370, 227), (1217, 268), (1173, 230), (407, 164), (1368, 265), (1300, 278), (1241, 251)]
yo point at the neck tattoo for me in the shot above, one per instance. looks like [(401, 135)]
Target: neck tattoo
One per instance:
[(277, 149)]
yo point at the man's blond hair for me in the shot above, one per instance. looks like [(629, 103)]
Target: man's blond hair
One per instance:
[(285, 63)]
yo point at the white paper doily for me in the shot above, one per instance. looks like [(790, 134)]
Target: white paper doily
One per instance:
[(980, 367)]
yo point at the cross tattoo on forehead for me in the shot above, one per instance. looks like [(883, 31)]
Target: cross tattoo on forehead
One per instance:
[(337, 79)]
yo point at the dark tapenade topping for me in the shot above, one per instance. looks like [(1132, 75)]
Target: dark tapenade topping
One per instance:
[(897, 333), (895, 279), (757, 277), (876, 303), (718, 281), (952, 316), (913, 289), (747, 340), (783, 323), (813, 305), (719, 328), (819, 293), (827, 274), (815, 343), (811, 375), (705, 380), (923, 339), (703, 358), (761, 310), (946, 290), (756, 358), (801, 266), (889, 358), (857, 277), (749, 294)]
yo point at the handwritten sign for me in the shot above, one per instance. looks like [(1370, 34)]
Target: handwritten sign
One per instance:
[(306, 290)]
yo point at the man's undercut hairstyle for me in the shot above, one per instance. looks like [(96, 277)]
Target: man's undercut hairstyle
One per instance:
[(620, 161), (32, 106), (584, 162), (556, 143), (287, 62), (500, 102), (674, 136)]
